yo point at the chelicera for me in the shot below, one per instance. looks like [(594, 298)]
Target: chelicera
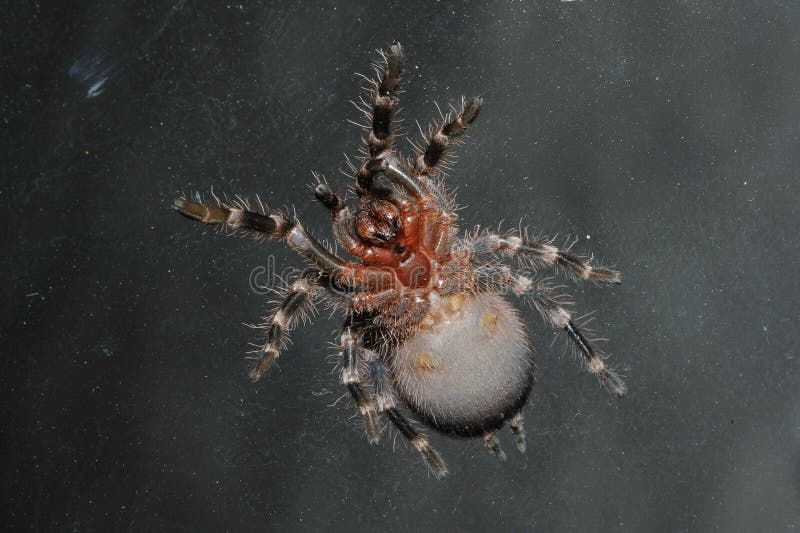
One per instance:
[(429, 333)]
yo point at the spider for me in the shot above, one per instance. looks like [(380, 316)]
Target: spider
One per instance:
[(429, 333)]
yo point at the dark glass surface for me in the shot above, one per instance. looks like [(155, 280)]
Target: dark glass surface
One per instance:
[(663, 135)]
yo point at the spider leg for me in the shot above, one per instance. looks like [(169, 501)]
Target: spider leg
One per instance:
[(341, 218), (363, 302), (553, 312), (329, 198), (385, 400), (393, 170), (540, 251), (351, 378), (493, 445), (381, 111), (298, 299), (280, 226), (518, 428), (446, 135)]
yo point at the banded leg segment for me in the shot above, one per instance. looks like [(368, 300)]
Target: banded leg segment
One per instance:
[(446, 135), (277, 225), (540, 251), (351, 378), (237, 216), (381, 112), (554, 313), (296, 303), (384, 398), (325, 195)]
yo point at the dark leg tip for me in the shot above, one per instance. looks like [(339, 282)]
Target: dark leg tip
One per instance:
[(518, 428), (394, 68), (190, 209), (614, 384), (262, 365), (605, 275), (371, 427), (431, 456), (439, 472), (395, 50), (472, 109), (325, 195), (493, 445)]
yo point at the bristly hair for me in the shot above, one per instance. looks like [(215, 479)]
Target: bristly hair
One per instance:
[(237, 202)]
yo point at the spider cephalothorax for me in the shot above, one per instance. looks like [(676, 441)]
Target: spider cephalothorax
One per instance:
[(428, 328)]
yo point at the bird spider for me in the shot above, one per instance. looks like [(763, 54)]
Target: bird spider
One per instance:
[(428, 329)]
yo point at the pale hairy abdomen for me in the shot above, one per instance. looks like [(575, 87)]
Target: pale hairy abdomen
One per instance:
[(469, 367)]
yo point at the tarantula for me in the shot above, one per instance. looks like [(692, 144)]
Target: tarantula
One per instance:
[(428, 330)]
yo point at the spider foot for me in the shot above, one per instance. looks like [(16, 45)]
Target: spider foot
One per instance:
[(491, 442)]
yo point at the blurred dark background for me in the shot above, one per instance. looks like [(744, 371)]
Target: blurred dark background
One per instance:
[(663, 135)]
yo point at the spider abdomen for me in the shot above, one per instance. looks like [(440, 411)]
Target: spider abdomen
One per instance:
[(469, 367)]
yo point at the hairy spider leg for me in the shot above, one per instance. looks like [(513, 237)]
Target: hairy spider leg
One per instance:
[(297, 300), (330, 199), (539, 294), (517, 425), (278, 225), (380, 156), (558, 317), (385, 400), (493, 445), (540, 251), (381, 114), (445, 135), (351, 378)]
